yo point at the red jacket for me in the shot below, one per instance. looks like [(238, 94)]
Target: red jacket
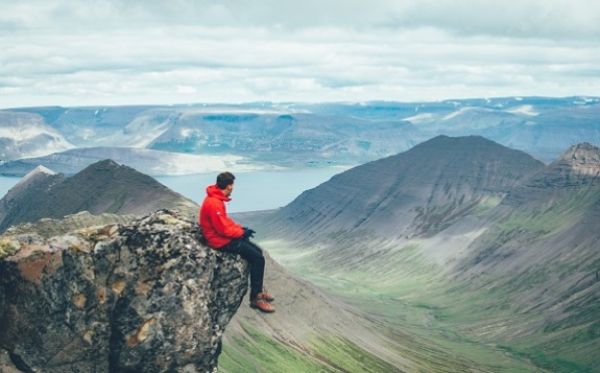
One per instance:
[(217, 227)]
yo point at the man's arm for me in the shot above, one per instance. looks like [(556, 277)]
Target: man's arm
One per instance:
[(224, 225)]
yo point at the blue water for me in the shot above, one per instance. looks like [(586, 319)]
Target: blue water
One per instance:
[(7, 182), (253, 190)]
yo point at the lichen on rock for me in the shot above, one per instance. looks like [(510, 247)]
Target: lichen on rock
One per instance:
[(145, 296), (8, 246)]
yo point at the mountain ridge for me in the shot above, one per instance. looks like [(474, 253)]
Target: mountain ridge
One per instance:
[(104, 186), (148, 161), (414, 192), (517, 269), (296, 134)]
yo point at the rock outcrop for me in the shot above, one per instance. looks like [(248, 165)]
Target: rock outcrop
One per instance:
[(146, 296)]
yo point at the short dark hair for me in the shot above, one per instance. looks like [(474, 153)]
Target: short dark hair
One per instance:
[(224, 179)]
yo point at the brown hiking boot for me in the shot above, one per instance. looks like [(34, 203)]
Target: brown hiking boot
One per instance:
[(265, 296), (262, 305)]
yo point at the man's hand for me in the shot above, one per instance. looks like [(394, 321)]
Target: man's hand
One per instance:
[(248, 233)]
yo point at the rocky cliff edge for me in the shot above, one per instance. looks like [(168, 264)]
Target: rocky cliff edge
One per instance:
[(146, 296)]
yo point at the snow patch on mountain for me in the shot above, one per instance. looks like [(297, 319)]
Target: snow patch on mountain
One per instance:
[(586, 100), (39, 170), (458, 112), (420, 118), (186, 164), (55, 144), (524, 110), (187, 132), (140, 133), (27, 135)]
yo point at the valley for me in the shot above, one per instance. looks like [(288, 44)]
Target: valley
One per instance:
[(508, 278), (457, 255)]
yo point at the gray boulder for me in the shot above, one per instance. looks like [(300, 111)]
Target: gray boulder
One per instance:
[(146, 296)]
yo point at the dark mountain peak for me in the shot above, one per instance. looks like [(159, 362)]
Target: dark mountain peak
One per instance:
[(102, 187), (439, 138), (471, 141), (104, 164), (577, 169), (465, 148), (37, 180), (583, 153), (43, 169), (38, 172), (419, 191), (108, 162), (36, 183), (110, 169), (577, 164), (459, 139)]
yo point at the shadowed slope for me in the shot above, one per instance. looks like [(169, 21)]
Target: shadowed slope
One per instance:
[(417, 192), (103, 187)]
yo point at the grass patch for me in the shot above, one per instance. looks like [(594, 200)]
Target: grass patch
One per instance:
[(485, 204), (8, 247), (256, 352), (549, 362), (554, 217), (347, 356)]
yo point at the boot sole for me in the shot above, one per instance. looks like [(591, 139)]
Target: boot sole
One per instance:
[(260, 309)]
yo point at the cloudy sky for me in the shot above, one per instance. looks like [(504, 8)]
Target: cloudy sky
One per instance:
[(93, 52)]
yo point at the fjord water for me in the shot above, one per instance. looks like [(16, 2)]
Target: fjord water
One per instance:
[(253, 191), (259, 190), (7, 182)]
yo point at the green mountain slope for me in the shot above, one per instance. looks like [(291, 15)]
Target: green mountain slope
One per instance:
[(508, 284)]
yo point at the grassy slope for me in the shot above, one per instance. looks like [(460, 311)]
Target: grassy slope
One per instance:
[(474, 321), (402, 290), (254, 351)]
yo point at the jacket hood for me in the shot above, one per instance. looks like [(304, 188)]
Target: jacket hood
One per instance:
[(215, 191)]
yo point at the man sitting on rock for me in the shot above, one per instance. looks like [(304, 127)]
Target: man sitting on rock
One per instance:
[(225, 235)]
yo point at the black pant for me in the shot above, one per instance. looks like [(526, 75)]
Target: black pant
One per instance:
[(254, 256)]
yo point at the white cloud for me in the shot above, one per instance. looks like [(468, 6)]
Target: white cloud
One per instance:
[(117, 52), (537, 18)]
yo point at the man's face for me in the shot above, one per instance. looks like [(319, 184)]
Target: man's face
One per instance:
[(228, 189)]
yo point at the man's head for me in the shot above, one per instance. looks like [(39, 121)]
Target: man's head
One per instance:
[(225, 182)]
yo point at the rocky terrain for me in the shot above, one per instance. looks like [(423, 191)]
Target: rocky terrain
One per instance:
[(144, 296)]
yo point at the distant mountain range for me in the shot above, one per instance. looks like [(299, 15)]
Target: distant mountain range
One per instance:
[(292, 134), (28, 135), (147, 161)]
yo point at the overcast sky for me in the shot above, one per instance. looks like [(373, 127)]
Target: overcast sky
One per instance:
[(94, 52)]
